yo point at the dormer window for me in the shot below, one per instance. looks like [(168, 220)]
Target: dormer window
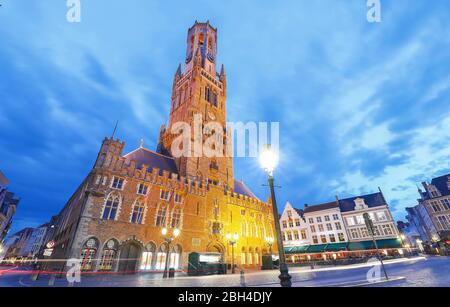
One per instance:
[(360, 204), (117, 183)]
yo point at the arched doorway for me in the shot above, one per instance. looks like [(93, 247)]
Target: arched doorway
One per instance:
[(130, 254), (215, 247)]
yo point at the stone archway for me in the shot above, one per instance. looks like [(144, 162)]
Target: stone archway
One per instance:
[(130, 253), (215, 247)]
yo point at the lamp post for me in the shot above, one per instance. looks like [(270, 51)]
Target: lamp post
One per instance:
[(232, 240), (168, 240), (270, 241), (269, 161)]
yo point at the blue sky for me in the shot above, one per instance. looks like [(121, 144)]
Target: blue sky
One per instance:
[(360, 105)]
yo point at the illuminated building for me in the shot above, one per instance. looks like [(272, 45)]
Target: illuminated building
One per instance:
[(113, 221)]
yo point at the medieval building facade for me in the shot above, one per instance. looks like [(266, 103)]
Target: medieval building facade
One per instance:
[(114, 221)]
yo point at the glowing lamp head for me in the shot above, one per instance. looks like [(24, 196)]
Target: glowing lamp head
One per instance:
[(164, 231), (176, 232), (228, 236), (236, 237), (268, 159)]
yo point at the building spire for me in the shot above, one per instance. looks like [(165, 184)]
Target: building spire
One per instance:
[(141, 145), (115, 129)]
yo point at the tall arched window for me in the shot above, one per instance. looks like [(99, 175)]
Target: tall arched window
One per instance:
[(175, 257), (161, 257), (161, 216), (148, 256), (176, 218), (111, 207), (244, 230), (108, 255), (88, 254), (137, 215)]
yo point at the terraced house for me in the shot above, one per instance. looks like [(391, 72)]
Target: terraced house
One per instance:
[(114, 221), (337, 230), (434, 210)]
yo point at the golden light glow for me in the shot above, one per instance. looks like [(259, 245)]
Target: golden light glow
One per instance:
[(268, 159), (176, 232), (164, 231)]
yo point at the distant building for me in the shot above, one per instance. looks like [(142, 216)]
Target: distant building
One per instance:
[(8, 207), (293, 227), (18, 246), (337, 229), (434, 210)]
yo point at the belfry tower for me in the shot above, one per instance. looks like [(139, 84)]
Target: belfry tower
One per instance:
[(199, 91)]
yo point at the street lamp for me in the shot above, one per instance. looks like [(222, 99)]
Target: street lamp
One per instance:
[(269, 160), (232, 240), (169, 239)]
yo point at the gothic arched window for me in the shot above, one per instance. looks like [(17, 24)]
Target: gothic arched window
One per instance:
[(137, 216), (176, 218), (88, 254), (108, 255), (111, 207), (161, 216)]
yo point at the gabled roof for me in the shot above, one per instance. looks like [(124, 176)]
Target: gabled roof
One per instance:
[(152, 159), (371, 200), (241, 188), (441, 183), (325, 206), (300, 212)]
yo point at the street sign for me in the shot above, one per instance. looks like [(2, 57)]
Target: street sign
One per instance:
[(50, 244)]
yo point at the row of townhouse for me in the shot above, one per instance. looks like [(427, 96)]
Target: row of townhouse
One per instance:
[(428, 222), (337, 229), (29, 243)]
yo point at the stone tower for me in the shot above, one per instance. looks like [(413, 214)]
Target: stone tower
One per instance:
[(199, 92)]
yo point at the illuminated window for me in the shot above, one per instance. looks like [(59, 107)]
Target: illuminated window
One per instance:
[(147, 257), (341, 237), (88, 254), (332, 238), (323, 238), (108, 255), (243, 258), (303, 232), (315, 239)]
